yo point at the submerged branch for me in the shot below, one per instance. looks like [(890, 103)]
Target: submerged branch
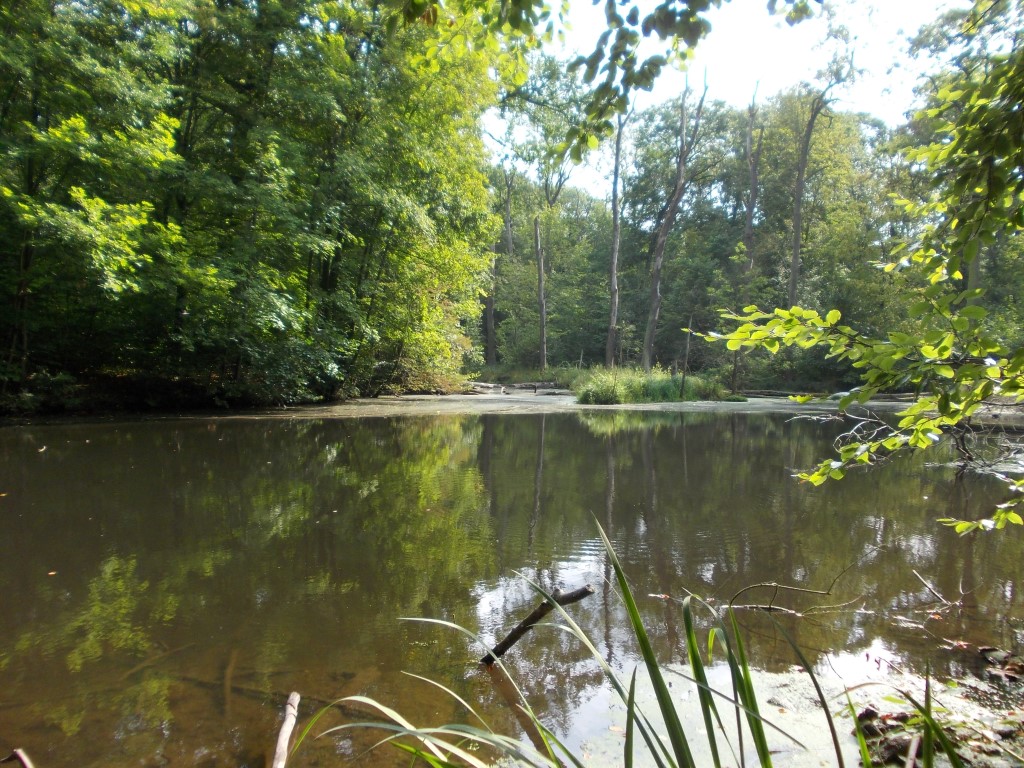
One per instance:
[(542, 610)]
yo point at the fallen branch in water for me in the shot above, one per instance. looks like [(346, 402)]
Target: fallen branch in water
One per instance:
[(542, 610), (152, 660), (261, 694), (291, 714)]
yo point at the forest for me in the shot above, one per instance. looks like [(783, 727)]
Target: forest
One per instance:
[(254, 202)]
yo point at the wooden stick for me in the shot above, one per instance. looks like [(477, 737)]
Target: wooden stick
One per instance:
[(542, 610), (915, 745), (20, 756), (291, 713)]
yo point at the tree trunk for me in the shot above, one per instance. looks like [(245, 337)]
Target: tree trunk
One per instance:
[(490, 319), (818, 103), (490, 335), (541, 300), (668, 220), (613, 317), (753, 157)]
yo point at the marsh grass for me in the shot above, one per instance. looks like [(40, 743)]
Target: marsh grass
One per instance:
[(614, 386), (480, 746)]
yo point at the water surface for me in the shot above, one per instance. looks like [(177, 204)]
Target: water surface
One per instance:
[(166, 583)]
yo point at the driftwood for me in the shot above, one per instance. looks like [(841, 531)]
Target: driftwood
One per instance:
[(291, 714), (19, 756), (542, 610)]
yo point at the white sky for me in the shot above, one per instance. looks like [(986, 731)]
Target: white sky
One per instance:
[(747, 48)]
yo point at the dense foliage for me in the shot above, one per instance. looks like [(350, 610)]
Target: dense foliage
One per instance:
[(280, 200), (245, 201)]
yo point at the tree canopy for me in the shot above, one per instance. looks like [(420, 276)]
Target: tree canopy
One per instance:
[(270, 201)]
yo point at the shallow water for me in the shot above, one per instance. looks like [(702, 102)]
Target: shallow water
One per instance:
[(166, 583)]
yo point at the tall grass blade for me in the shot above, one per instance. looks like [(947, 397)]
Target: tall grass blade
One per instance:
[(419, 754), (523, 702), (707, 702), (862, 744), (936, 730), (821, 694), (627, 749), (454, 695), (309, 726), (430, 738), (928, 742), (677, 737), (657, 749), (741, 674), (551, 738)]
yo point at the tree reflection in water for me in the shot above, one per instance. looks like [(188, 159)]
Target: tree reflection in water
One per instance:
[(202, 568)]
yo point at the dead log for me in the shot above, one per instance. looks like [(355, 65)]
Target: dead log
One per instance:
[(291, 714), (542, 610)]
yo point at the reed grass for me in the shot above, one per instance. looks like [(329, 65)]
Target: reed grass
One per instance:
[(480, 746), (615, 386)]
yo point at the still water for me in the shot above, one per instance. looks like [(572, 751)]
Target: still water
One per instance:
[(165, 584)]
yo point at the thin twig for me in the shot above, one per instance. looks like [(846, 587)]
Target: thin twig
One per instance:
[(767, 609), (931, 588), (776, 586), (830, 608)]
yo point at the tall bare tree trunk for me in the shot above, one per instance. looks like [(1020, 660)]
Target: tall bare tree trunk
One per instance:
[(490, 335), (541, 300), (613, 316), (668, 220), (753, 157), (818, 103)]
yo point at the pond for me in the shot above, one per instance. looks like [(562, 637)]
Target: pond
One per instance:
[(166, 583)]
